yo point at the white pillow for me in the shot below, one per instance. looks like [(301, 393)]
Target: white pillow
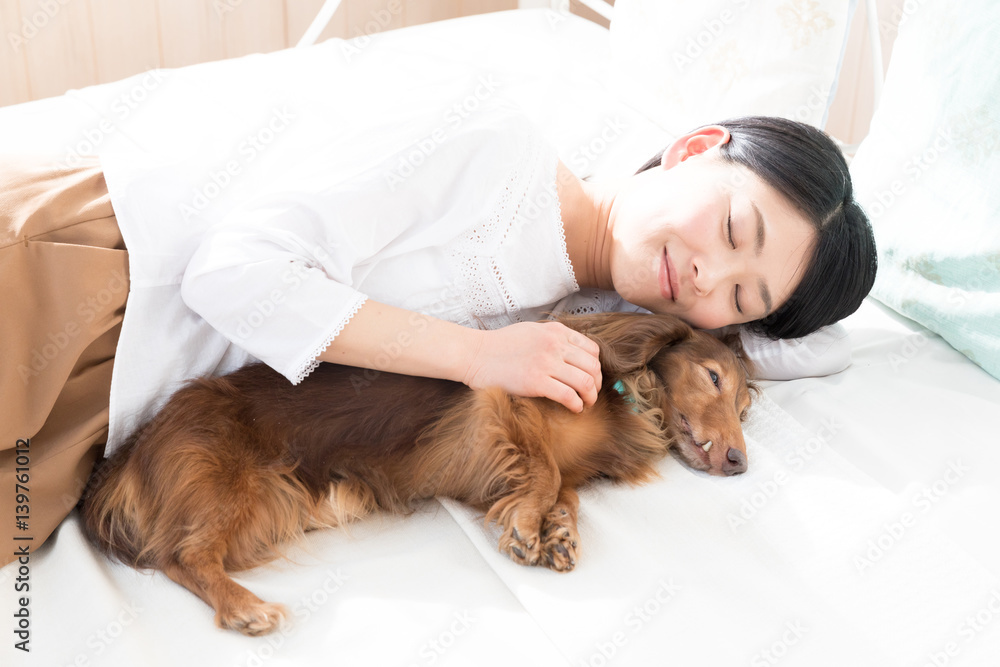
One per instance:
[(823, 352), (685, 64)]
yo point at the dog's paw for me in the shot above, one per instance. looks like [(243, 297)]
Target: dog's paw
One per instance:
[(522, 547), (253, 620), (559, 541)]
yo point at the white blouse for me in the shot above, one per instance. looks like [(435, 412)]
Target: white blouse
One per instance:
[(465, 227)]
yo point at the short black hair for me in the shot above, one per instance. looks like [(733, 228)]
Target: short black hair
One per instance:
[(805, 166)]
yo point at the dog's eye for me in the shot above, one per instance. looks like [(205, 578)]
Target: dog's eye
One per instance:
[(715, 378)]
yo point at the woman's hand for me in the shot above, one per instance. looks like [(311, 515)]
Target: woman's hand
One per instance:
[(528, 359), (538, 359)]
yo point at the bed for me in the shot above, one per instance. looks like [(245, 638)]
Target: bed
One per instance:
[(863, 534)]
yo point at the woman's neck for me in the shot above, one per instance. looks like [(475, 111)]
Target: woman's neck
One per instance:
[(587, 222)]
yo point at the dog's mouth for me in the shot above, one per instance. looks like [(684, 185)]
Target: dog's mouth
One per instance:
[(689, 451)]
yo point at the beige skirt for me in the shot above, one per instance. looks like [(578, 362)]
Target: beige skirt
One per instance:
[(63, 287)]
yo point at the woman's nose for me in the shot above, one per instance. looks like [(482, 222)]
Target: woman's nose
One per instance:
[(704, 276), (707, 274)]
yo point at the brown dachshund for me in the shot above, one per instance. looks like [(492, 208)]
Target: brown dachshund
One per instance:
[(236, 466)]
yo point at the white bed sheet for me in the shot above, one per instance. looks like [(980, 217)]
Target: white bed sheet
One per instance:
[(863, 533)]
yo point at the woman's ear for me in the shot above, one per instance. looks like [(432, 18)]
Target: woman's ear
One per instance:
[(694, 143)]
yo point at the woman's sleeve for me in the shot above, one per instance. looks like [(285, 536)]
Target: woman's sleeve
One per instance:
[(275, 280)]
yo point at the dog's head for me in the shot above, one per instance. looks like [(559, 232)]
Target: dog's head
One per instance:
[(699, 384)]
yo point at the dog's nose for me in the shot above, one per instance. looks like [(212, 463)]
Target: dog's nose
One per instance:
[(736, 462)]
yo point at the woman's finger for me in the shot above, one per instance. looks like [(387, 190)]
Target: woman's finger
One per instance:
[(589, 361), (582, 372), (586, 344), (563, 394), (576, 338)]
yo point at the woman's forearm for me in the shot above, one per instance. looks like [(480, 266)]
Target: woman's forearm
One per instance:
[(525, 359), (387, 338)]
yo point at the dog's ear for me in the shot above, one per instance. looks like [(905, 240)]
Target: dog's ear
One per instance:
[(734, 342), (629, 341)]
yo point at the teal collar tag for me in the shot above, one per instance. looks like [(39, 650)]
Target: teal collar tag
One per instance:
[(629, 398)]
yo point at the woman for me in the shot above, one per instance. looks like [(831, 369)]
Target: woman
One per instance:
[(438, 269), (734, 256)]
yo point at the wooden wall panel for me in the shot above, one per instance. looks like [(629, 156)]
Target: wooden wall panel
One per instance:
[(93, 41), (14, 86), (251, 26), (483, 6), (85, 42), (300, 13), (366, 17), (126, 37), (190, 31), (427, 11), (59, 50)]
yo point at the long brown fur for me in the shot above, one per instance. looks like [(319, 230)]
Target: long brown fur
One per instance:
[(235, 467)]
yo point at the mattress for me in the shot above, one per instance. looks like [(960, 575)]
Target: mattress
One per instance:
[(862, 533)]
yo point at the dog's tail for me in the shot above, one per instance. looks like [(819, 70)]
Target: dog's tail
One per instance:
[(110, 507)]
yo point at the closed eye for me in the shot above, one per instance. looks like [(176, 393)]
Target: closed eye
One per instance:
[(732, 243)]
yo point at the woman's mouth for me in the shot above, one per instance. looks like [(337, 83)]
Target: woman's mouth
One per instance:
[(667, 281)]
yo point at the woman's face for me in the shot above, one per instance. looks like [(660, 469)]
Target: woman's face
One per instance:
[(706, 240)]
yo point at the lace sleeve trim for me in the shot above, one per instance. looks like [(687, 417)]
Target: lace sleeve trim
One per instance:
[(312, 361), (552, 181)]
